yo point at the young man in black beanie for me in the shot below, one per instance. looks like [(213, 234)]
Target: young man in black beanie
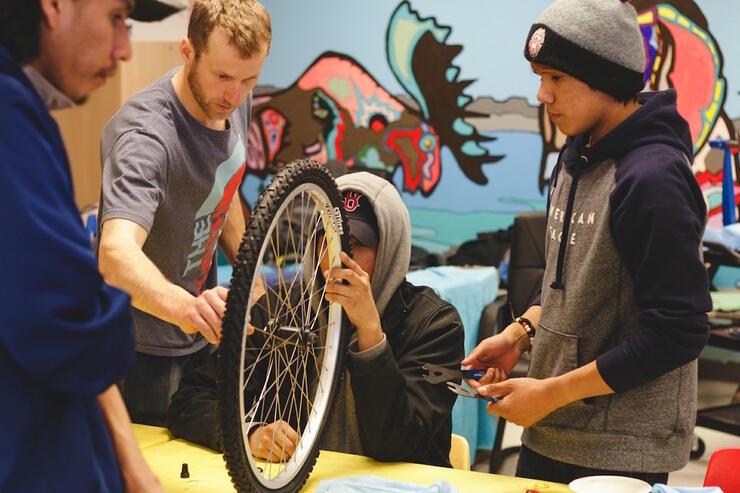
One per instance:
[(621, 317)]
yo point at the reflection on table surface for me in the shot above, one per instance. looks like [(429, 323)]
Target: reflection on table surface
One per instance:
[(208, 470)]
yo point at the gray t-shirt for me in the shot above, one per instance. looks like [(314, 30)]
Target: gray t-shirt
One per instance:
[(176, 178)]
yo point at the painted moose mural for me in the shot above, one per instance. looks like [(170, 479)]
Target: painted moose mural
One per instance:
[(336, 110)]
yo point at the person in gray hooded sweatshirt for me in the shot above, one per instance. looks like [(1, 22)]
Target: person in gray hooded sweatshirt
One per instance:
[(385, 409), (621, 317)]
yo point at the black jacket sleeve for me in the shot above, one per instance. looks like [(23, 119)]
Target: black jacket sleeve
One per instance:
[(193, 411), (403, 417)]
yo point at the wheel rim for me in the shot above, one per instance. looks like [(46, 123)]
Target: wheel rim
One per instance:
[(300, 346)]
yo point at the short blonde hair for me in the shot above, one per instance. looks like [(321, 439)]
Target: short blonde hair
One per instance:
[(246, 22)]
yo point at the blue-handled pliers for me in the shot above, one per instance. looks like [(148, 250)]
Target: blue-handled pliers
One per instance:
[(440, 374)]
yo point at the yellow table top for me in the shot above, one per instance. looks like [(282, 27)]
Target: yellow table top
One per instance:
[(208, 470), (149, 436)]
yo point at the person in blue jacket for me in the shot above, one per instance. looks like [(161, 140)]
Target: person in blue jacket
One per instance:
[(65, 336), (621, 318)]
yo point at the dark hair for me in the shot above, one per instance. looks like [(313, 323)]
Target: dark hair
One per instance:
[(20, 28)]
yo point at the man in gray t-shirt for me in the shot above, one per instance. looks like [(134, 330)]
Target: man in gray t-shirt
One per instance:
[(173, 159)]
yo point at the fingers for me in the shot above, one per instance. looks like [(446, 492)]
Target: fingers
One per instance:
[(493, 375), (216, 299), (495, 389), (291, 433), (197, 323), (336, 276), (276, 441), (343, 293), (351, 264), (472, 358), (221, 291), (258, 290), (352, 274), (474, 384), (469, 359), (285, 440), (206, 313)]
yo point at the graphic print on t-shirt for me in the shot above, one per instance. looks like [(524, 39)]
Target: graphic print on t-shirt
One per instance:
[(210, 218)]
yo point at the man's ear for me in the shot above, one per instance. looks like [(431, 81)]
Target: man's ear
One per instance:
[(50, 12), (187, 51)]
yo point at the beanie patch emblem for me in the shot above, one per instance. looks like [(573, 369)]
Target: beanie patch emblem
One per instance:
[(536, 41), (352, 201)]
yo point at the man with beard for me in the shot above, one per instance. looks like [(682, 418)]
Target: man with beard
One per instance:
[(173, 158)]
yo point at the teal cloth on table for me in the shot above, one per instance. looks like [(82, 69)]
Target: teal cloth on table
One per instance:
[(661, 488), (469, 289), (726, 301), (376, 484)]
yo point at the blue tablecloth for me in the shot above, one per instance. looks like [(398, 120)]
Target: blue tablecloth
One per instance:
[(469, 289)]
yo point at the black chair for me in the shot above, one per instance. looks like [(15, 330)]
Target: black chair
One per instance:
[(526, 268)]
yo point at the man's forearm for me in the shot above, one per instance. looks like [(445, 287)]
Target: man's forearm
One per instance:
[(117, 421), (129, 269), (134, 469), (578, 384)]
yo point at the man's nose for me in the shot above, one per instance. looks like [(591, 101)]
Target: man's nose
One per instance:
[(544, 95), (232, 94), (121, 42)]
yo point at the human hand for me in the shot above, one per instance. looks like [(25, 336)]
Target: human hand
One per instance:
[(501, 351), (258, 291), (274, 442), (356, 297), (523, 401), (493, 375), (141, 480), (204, 313)]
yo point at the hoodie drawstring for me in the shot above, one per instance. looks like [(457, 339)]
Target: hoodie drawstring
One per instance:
[(558, 282)]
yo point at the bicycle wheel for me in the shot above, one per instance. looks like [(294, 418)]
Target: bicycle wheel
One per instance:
[(288, 369)]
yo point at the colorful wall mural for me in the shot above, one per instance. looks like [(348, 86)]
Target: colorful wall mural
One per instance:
[(439, 99), (344, 114)]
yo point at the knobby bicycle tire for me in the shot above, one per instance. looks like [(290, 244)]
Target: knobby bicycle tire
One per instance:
[(308, 179)]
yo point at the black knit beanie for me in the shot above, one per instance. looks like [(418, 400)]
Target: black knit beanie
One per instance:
[(596, 41)]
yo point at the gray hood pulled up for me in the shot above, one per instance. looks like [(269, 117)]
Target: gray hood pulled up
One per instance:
[(394, 226)]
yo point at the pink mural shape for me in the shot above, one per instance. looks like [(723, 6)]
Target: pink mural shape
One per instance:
[(693, 78), (695, 68), (273, 125), (348, 84)]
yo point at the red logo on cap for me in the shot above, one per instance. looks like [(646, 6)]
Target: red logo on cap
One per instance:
[(536, 42), (351, 201)]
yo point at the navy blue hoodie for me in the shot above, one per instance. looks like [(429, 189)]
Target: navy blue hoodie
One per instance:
[(65, 336), (625, 286)]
